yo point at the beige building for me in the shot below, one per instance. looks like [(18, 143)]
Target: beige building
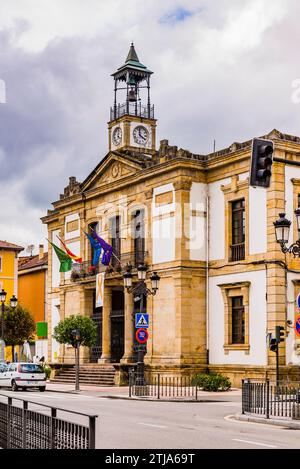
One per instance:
[(195, 221)]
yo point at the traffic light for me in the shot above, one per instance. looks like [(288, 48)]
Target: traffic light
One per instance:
[(261, 162), (279, 334), (273, 344)]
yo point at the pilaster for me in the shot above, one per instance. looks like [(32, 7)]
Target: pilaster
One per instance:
[(106, 326), (128, 327)]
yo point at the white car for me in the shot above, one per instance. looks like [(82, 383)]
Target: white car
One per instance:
[(22, 375)]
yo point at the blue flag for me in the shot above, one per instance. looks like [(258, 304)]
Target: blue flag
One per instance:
[(96, 248)]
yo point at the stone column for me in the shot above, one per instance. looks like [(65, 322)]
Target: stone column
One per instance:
[(128, 327), (106, 326), (276, 276), (182, 218)]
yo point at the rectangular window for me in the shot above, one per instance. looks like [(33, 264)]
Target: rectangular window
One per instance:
[(238, 320), (238, 230), (92, 227), (115, 239), (139, 237)]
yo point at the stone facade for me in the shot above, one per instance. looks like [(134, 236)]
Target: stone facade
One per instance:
[(186, 200)]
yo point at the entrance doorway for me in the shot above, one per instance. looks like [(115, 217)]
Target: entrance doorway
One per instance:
[(117, 325), (96, 350)]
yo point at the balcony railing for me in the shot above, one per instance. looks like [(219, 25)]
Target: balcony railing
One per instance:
[(237, 252), (84, 270), (131, 109)]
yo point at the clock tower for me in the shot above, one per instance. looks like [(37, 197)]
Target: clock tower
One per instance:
[(132, 124)]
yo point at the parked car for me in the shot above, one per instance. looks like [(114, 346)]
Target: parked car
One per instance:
[(22, 375)]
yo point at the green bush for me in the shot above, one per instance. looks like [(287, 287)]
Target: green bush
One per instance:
[(212, 382)]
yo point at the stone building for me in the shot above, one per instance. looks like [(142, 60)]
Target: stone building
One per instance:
[(194, 220)]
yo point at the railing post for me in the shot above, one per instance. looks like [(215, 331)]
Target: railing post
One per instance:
[(243, 396), (92, 432), (9, 402), (130, 377), (158, 386), (53, 417), (196, 391), (268, 399), (24, 435)]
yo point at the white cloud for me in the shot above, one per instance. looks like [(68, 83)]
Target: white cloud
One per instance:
[(224, 73)]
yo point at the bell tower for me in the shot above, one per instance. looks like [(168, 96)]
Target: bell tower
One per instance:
[(132, 124)]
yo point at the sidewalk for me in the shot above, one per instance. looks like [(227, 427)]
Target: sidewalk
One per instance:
[(293, 424), (122, 392)]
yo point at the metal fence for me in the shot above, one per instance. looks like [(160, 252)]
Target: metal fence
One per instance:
[(22, 428), (271, 400), (161, 387)]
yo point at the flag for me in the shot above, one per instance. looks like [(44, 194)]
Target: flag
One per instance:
[(97, 249), (107, 248), (64, 259), (73, 256)]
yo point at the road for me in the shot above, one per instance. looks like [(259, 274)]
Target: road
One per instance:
[(136, 424)]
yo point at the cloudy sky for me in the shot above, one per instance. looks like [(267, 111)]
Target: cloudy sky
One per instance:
[(223, 69)]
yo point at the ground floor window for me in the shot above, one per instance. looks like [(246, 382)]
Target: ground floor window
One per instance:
[(238, 320), (236, 316)]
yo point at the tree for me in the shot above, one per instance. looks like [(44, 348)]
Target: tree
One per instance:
[(86, 326), (19, 326)]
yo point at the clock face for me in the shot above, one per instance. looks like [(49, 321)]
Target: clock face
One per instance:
[(117, 136), (140, 135)]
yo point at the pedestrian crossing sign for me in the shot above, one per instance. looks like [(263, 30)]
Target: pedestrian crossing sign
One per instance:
[(142, 320)]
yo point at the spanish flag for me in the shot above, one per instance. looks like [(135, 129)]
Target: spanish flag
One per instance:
[(73, 256)]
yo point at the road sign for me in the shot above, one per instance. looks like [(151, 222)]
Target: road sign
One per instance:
[(142, 336), (297, 325), (142, 320), (298, 301)]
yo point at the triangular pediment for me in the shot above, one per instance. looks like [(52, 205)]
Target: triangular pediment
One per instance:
[(112, 168)]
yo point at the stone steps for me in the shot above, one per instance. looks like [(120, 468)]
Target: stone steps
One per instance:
[(101, 375)]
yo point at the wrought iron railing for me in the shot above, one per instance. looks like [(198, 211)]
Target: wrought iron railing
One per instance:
[(85, 269), (161, 387), (23, 428), (271, 400), (118, 264), (237, 252), (132, 109)]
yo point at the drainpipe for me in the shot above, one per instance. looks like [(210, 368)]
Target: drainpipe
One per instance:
[(207, 280)]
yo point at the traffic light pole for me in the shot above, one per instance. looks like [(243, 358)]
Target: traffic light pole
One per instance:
[(277, 367)]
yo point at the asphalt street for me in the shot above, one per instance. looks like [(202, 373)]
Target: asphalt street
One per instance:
[(137, 424)]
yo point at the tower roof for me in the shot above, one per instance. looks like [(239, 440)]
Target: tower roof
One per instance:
[(132, 64), (132, 55)]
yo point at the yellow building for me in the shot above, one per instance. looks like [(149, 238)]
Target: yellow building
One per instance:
[(9, 274), (9, 268)]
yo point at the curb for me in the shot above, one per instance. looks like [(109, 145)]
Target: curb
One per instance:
[(133, 398), (279, 423)]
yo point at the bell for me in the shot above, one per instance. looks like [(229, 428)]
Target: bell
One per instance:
[(132, 96)]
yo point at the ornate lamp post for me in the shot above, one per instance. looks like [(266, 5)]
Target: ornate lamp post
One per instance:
[(282, 231), (13, 304), (139, 291)]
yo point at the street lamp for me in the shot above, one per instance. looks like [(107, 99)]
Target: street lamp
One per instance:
[(282, 232), (13, 304), (2, 343), (139, 291), (13, 301), (76, 344)]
